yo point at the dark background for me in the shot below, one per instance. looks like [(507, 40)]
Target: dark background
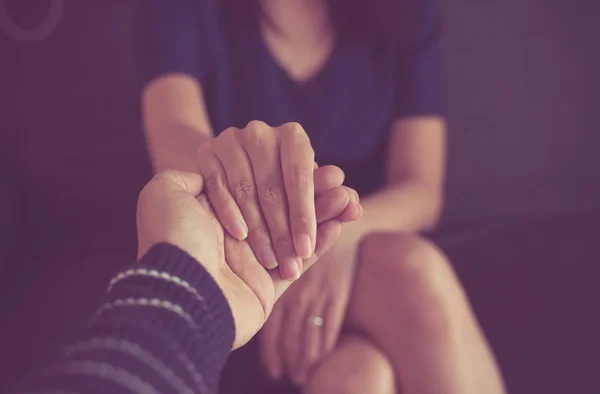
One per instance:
[(522, 93)]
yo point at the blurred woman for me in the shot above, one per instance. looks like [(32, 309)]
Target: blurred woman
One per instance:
[(383, 312)]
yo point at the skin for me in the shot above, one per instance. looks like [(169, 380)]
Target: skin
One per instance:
[(415, 344), (251, 198), (174, 208)]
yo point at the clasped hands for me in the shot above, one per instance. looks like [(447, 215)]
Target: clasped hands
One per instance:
[(256, 216)]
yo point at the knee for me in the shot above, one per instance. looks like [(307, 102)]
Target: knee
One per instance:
[(420, 280), (406, 260), (356, 366)]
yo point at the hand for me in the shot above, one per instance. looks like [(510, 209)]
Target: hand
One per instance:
[(172, 209), (259, 181), (306, 322)]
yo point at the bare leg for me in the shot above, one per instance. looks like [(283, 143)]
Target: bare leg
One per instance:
[(355, 367), (409, 303)]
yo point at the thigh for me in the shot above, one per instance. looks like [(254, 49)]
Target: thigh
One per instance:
[(408, 301), (402, 271), (356, 366)]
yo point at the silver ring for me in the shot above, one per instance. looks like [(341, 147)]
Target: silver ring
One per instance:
[(316, 321)]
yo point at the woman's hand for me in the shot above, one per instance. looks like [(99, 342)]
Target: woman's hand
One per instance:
[(259, 181), (172, 209), (306, 322)]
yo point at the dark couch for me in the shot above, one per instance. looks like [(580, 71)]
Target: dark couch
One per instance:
[(522, 86)]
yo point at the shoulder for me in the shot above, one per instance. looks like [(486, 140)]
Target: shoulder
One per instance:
[(424, 27), (175, 23), (175, 36)]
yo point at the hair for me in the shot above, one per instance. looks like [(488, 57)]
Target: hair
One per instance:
[(375, 21)]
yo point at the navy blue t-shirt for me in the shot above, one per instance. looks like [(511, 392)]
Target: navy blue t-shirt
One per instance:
[(347, 108)]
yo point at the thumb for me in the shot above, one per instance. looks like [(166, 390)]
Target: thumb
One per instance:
[(190, 183)]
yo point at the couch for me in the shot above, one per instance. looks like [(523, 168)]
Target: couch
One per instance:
[(521, 84)]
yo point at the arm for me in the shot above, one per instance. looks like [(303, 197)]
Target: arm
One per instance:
[(254, 178), (169, 322), (179, 344), (412, 199), (175, 122), (172, 47)]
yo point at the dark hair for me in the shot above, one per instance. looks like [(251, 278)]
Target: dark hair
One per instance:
[(372, 20)]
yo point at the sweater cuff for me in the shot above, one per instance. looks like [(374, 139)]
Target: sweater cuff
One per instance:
[(179, 285), (180, 271)]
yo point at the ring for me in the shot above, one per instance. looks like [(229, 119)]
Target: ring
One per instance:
[(316, 320)]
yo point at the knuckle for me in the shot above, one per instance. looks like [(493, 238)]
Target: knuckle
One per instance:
[(256, 127), (301, 177), (259, 235), (255, 133), (295, 133), (228, 134), (281, 242), (294, 129), (243, 190), (273, 194)]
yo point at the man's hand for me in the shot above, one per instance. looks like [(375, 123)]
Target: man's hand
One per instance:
[(172, 209), (259, 181)]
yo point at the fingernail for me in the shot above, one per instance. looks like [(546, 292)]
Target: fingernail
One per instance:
[(291, 268), (241, 229), (303, 245), (267, 257)]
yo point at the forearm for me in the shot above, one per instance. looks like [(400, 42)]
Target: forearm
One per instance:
[(164, 327), (404, 207), (175, 147)]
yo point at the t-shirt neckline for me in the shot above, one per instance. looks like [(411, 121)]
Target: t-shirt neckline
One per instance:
[(321, 74)]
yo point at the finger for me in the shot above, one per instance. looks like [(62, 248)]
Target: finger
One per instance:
[(311, 345), (269, 347), (353, 211), (327, 177), (242, 185), (291, 338), (218, 193), (332, 325), (244, 264), (316, 166), (263, 150), (331, 204), (327, 235), (190, 183), (297, 163)]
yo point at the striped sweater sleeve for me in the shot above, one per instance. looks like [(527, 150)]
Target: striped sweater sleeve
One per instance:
[(165, 327)]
